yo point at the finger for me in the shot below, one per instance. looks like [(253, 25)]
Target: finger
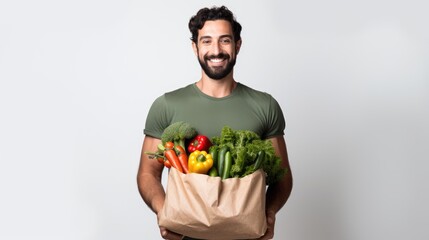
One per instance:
[(169, 234), (164, 232), (271, 219)]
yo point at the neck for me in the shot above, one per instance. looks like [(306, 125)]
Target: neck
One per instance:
[(216, 88)]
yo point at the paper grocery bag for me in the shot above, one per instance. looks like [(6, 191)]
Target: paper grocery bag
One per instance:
[(200, 206)]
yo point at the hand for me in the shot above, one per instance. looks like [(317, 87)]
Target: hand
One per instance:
[(271, 219), (169, 235)]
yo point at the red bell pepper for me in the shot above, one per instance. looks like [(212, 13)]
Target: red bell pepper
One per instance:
[(200, 143)]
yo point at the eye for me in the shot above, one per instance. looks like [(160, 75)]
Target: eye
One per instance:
[(205, 41), (225, 41)]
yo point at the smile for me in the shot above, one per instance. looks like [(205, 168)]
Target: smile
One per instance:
[(216, 60)]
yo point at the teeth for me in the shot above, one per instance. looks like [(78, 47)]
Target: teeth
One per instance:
[(216, 60)]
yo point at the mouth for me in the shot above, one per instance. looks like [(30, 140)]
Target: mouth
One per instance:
[(216, 60)]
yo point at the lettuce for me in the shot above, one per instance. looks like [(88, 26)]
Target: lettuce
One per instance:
[(244, 146)]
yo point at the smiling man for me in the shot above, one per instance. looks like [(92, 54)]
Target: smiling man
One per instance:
[(212, 102), (216, 49)]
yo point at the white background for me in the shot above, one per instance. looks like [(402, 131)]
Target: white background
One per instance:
[(77, 79)]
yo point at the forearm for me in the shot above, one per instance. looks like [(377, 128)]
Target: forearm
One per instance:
[(149, 176), (152, 191), (278, 194)]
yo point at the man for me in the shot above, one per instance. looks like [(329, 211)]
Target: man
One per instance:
[(212, 102)]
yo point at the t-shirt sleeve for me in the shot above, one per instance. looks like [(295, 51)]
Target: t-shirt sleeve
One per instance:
[(276, 120), (157, 120)]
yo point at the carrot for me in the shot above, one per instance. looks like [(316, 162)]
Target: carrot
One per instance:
[(171, 156), (164, 162), (160, 159), (183, 157), (169, 145), (167, 163)]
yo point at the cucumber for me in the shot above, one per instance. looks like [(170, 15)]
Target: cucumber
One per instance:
[(213, 172), (227, 165), (221, 159), (259, 160), (214, 152)]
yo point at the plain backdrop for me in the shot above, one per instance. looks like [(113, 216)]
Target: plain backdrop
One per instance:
[(77, 79)]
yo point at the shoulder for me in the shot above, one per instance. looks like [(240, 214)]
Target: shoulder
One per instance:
[(180, 92), (252, 93), (261, 99), (169, 100)]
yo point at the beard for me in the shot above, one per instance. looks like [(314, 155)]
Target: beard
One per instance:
[(217, 73)]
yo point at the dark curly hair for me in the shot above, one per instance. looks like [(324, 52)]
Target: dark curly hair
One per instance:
[(215, 13)]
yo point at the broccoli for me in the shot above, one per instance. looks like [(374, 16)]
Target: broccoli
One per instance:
[(177, 133)]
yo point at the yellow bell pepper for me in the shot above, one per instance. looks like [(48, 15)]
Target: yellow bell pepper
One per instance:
[(200, 162)]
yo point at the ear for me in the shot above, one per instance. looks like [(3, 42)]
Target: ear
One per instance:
[(238, 46), (195, 48)]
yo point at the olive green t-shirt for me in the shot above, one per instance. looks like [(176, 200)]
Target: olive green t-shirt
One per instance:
[(244, 109)]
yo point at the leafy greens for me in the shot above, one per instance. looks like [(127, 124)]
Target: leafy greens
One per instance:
[(244, 146)]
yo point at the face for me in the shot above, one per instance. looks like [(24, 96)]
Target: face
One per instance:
[(216, 49)]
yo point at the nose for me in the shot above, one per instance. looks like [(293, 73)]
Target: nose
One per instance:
[(216, 48)]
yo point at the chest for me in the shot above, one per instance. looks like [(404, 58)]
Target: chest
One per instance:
[(209, 119)]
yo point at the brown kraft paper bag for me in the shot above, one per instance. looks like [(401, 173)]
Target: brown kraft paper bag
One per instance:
[(201, 206)]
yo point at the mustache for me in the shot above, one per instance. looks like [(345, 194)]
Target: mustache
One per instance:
[(220, 55)]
